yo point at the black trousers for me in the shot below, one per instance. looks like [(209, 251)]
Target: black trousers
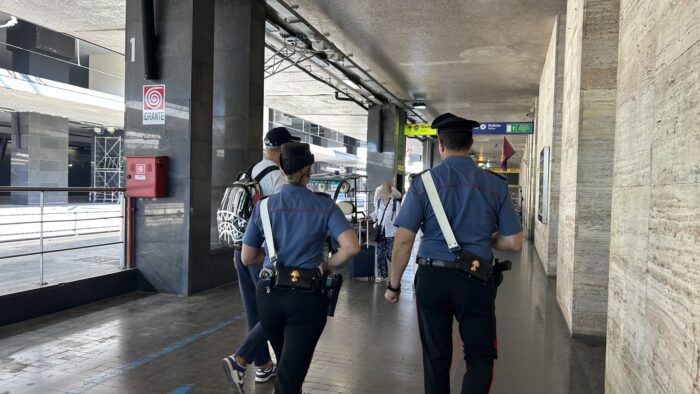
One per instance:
[(441, 295), (293, 322)]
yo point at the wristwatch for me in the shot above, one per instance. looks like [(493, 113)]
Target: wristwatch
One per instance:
[(395, 290)]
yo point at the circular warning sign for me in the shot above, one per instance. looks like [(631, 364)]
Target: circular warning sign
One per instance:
[(154, 97)]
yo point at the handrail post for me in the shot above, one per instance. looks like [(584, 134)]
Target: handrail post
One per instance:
[(122, 232), (41, 239)]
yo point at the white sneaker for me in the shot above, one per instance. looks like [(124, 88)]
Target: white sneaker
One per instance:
[(234, 373), (379, 279)]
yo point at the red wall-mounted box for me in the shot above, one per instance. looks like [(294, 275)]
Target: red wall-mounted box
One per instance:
[(147, 176)]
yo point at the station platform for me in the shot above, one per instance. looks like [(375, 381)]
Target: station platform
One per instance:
[(156, 343)]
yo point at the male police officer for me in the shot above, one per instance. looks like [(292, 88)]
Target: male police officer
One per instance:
[(481, 216), (291, 307)]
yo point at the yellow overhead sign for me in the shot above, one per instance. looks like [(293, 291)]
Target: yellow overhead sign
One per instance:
[(418, 129), (508, 171)]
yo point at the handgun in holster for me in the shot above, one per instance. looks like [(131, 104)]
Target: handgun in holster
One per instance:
[(499, 267), (331, 288)]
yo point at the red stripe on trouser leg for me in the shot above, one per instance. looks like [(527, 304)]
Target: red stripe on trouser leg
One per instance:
[(495, 346)]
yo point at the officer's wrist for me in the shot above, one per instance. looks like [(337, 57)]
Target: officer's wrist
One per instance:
[(396, 289)]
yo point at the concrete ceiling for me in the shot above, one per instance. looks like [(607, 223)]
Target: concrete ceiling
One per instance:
[(476, 58), (101, 22)]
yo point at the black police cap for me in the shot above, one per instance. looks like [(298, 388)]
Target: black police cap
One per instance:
[(279, 136), (295, 156), (449, 123)]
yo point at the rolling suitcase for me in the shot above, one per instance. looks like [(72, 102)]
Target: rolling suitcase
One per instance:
[(362, 266)]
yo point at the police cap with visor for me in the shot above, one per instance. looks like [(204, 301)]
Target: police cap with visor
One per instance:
[(296, 156), (448, 123)]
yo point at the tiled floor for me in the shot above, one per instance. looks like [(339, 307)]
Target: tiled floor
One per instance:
[(143, 343)]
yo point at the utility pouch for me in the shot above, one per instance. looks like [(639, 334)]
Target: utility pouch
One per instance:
[(331, 289), (297, 279), (476, 269)]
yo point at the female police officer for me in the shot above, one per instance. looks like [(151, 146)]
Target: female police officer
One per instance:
[(291, 308)]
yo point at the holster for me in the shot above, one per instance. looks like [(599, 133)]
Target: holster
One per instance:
[(331, 288), (476, 268)]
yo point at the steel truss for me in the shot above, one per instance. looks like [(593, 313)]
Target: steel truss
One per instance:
[(294, 53), (109, 168)]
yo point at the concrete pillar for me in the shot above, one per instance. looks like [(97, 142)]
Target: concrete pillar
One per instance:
[(172, 234), (237, 130), (39, 156), (549, 118), (386, 145), (588, 130), (653, 336)]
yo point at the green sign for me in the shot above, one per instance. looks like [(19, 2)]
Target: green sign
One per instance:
[(520, 128)]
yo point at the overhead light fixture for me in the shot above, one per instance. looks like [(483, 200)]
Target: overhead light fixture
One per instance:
[(97, 130), (12, 22), (111, 130), (374, 100), (350, 83), (419, 105)]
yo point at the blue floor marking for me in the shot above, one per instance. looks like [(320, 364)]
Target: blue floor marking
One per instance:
[(153, 356), (182, 389)]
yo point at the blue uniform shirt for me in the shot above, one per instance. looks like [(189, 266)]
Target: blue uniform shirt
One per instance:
[(476, 202), (300, 221)]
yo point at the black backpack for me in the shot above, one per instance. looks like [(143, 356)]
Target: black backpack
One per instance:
[(237, 205)]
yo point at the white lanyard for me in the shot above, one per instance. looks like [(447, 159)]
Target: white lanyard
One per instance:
[(267, 229), (439, 211)]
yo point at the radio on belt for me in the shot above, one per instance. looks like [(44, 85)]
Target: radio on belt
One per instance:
[(147, 176)]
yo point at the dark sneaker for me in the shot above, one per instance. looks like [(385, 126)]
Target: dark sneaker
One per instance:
[(263, 375), (234, 372)]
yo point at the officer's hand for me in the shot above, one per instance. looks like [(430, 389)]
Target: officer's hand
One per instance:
[(391, 296), (325, 267)]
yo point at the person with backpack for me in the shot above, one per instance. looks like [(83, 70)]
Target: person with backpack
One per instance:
[(262, 179), (385, 210)]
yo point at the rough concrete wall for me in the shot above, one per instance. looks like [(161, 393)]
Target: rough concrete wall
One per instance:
[(587, 156), (526, 172), (653, 342), (549, 134), (569, 158)]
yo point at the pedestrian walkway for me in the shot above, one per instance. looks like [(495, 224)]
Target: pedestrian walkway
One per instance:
[(144, 343)]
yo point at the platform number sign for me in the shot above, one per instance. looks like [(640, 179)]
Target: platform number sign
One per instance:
[(153, 104)]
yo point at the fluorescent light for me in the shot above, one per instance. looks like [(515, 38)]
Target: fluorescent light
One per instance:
[(10, 23), (97, 130), (350, 83), (111, 130)]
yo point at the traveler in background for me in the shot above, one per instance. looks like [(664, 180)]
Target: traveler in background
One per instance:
[(386, 208), (412, 262), (254, 348)]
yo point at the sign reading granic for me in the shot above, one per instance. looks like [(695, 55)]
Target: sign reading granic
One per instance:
[(488, 128)]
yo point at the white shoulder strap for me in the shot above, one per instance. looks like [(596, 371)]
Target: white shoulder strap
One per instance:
[(267, 229), (439, 211)]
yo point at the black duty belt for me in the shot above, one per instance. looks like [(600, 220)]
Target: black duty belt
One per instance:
[(436, 263)]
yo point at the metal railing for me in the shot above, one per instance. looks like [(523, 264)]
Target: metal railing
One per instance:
[(42, 233)]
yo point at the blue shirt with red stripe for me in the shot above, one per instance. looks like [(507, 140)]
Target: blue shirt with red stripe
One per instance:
[(300, 221), (477, 204)]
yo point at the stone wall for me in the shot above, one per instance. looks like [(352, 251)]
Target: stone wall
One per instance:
[(549, 107), (588, 130), (653, 336)]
